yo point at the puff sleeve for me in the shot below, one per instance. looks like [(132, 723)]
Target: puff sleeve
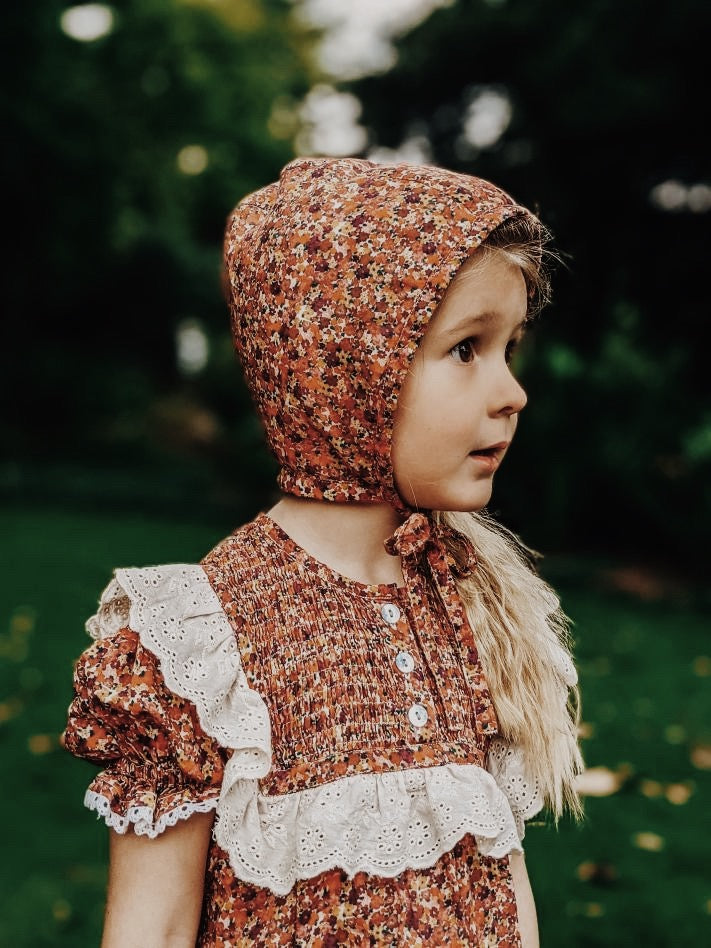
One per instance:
[(158, 764)]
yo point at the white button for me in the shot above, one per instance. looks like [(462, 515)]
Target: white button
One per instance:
[(405, 662), (418, 715), (390, 612)]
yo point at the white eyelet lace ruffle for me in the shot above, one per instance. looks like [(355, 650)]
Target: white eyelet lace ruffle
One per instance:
[(378, 823), (179, 618), (142, 817), (506, 764)]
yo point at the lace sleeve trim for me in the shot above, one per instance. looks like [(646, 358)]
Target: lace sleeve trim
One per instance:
[(506, 764), (142, 817)]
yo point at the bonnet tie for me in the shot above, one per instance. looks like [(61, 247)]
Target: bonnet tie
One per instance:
[(418, 538)]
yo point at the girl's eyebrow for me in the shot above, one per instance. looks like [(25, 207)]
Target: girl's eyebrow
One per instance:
[(484, 318)]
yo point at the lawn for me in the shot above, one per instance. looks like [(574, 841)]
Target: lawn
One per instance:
[(634, 873)]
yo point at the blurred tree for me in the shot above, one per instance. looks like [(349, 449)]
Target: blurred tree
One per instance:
[(124, 154), (122, 157), (589, 112)]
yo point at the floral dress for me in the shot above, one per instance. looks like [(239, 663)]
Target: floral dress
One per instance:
[(343, 736)]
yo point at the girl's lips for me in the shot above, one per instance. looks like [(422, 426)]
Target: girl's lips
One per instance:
[(489, 462), (490, 458)]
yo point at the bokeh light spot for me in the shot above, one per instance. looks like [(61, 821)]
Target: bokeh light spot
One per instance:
[(87, 22), (651, 788), (675, 196), (487, 117), (599, 782), (61, 910), (701, 756), (593, 910), (679, 793), (42, 743), (330, 123), (192, 347), (192, 159), (674, 734)]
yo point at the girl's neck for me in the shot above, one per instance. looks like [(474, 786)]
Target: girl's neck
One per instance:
[(347, 537)]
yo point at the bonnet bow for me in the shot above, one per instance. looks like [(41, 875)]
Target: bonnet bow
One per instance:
[(444, 546)]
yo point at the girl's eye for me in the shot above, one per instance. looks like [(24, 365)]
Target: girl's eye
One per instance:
[(511, 349), (464, 351)]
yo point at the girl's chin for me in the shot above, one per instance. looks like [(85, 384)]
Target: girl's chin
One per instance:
[(468, 501)]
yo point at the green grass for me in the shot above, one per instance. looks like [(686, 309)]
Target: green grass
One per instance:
[(643, 670), (645, 699)]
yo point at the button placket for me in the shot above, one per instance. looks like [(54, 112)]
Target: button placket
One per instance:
[(417, 713), (392, 614)]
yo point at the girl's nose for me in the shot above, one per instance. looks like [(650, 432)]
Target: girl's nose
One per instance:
[(512, 397)]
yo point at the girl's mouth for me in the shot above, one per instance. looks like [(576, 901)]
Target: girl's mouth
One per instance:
[(490, 458)]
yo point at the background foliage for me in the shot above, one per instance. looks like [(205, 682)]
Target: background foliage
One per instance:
[(113, 246)]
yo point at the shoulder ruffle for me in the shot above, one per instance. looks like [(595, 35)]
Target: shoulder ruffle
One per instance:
[(177, 615), (378, 823)]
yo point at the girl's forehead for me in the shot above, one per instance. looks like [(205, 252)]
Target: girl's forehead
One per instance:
[(485, 288)]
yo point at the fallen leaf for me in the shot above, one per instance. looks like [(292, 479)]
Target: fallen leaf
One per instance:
[(10, 709), (651, 788), (601, 872), (61, 910), (701, 756), (585, 871), (23, 620), (652, 842), (41, 743), (678, 793), (593, 910), (641, 581), (598, 782)]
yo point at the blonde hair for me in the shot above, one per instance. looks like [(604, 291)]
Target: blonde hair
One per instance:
[(521, 631)]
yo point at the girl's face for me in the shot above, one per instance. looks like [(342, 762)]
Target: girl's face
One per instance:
[(459, 406)]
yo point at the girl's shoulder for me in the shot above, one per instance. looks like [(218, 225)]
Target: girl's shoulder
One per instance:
[(259, 548)]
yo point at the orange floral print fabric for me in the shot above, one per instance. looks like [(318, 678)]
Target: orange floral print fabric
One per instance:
[(465, 900), (322, 658)]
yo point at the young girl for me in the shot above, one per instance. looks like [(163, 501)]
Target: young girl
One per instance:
[(366, 688)]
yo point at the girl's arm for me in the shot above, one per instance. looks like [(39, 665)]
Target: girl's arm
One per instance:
[(155, 888), (527, 921)]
